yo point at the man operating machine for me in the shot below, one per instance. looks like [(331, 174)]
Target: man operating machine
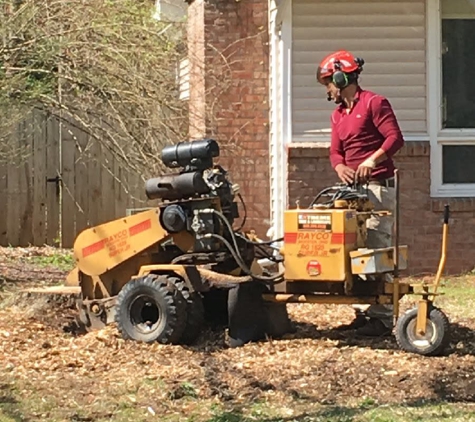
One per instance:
[(365, 137)]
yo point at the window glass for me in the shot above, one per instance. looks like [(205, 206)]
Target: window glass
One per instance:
[(458, 164), (458, 64)]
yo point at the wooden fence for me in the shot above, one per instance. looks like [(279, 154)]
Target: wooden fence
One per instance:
[(56, 181)]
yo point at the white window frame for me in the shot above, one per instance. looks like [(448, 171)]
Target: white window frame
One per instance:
[(280, 134), (284, 19), (439, 136)]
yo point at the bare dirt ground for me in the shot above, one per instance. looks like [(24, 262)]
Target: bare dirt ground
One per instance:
[(49, 373)]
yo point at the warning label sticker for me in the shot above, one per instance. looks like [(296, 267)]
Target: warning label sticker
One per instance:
[(313, 244), (320, 222), (118, 242)]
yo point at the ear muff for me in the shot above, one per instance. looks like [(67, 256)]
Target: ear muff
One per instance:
[(340, 79)]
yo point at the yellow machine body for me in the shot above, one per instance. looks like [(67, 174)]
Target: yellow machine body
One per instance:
[(329, 245), (317, 243), (109, 255), (101, 248)]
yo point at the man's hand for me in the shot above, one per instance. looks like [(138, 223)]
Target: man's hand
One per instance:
[(363, 173), (346, 174)]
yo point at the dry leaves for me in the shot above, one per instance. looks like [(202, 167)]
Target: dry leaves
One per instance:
[(101, 371)]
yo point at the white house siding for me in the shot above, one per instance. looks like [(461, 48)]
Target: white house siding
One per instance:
[(390, 36), (277, 155)]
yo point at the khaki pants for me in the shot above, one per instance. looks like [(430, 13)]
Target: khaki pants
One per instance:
[(380, 235)]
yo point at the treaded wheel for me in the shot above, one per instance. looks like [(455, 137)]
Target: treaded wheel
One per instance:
[(436, 338), (150, 309), (194, 310)]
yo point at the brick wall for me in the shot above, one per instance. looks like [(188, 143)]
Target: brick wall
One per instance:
[(228, 44), (421, 216)]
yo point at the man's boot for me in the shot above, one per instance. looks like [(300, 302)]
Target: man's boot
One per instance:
[(376, 327), (360, 321)]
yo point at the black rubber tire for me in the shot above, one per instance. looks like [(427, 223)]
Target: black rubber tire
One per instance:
[(163, 302), (194, 310), (435, 341)]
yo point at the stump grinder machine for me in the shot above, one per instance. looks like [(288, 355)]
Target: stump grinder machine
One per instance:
[(161, 273)]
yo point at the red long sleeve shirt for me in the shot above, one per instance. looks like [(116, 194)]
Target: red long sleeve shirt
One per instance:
[(370, 125)]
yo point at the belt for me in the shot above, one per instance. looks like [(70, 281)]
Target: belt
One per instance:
[(388, 183)]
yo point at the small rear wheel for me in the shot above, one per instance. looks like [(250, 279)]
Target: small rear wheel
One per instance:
[(149, 309), (435, 339)]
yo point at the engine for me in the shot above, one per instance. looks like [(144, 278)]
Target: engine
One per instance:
[(199, 198)]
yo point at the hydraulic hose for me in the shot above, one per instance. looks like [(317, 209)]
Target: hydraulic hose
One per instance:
[(319, 195), (260, 246), (278, 278), (231, 232), (226, 222), (235, 251), (342, 192), (245, 211), (268, 256)]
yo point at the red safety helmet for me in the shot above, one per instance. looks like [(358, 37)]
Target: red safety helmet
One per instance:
[(338, 66)]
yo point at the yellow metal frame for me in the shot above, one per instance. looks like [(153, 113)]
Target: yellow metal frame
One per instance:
[(173, 268), (430, 290), (328, 299)]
